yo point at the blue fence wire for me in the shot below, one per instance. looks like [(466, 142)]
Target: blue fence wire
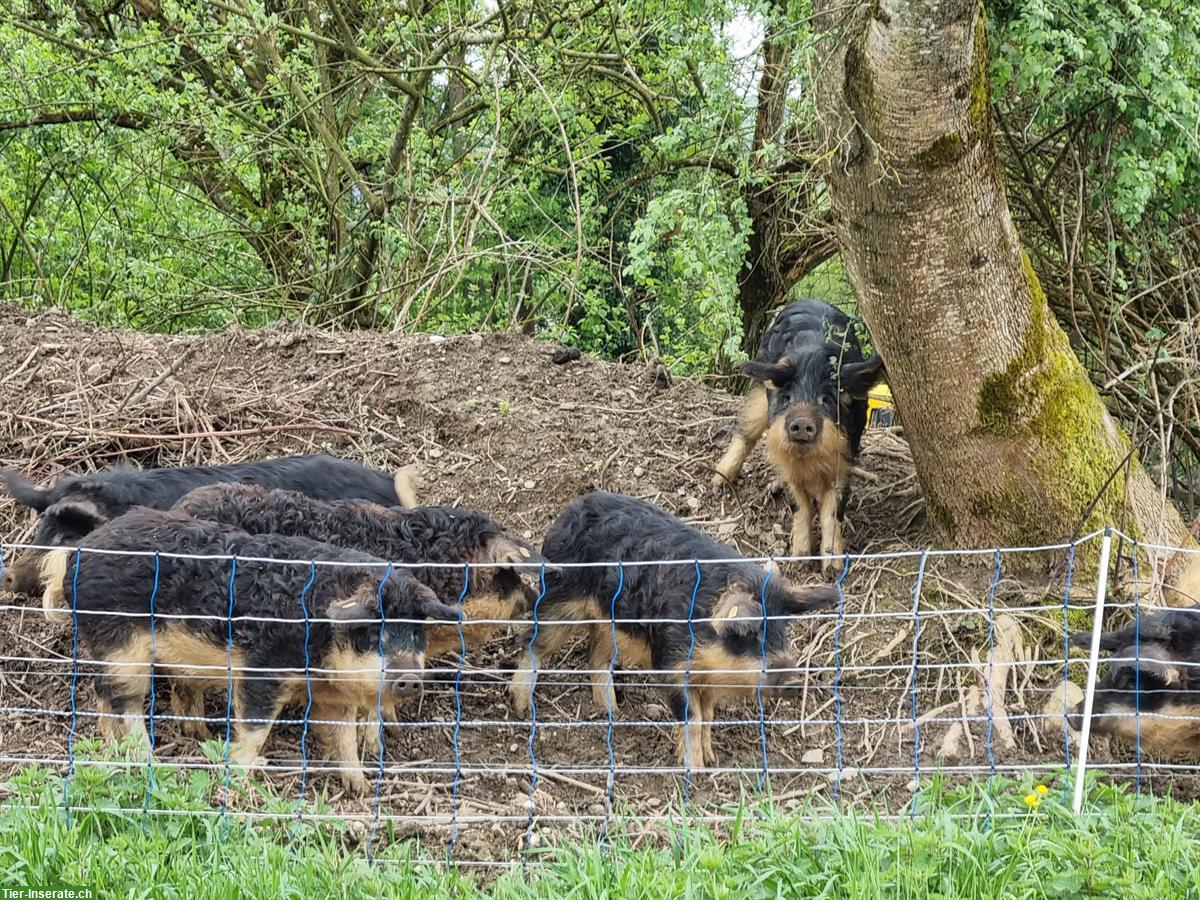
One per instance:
[(610, 700), (308, 691), (918, 668), (380, 770), (233, 564), (458, 716), (533, 662), (762, 678), (991, 684), (153, 678), (687, 694), (72, 732), (916, 663), (837, 676)]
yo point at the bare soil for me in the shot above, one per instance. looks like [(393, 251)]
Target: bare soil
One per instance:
[(497, 426)]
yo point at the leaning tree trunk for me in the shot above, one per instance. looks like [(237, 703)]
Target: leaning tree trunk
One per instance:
[(1012, 443)]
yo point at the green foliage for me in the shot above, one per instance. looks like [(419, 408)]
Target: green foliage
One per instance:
[(170, 165), (688, 260), (1128, 72), (1000, 839)]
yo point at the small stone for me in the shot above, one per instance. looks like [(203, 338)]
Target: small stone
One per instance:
[(727, 528), (477, 340), (95, 369), (912, 786), (504, 360), (356, 830), (654, 802), (435, 453), (437, 339), (530, 485), (527, 534), (638, 471), (513, 748), (813, 757), (693, 503), (848, 772)]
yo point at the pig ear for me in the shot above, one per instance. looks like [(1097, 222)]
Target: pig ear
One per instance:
[(405, 483), (348, 612), (76, 516), (737, 612), (1110, 641), (798, 599), (433, 608), (23, 490), (508, 549), (857, 378), (770, 374)]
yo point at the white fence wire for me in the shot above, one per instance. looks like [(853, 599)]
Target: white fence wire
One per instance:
[(949, 669)]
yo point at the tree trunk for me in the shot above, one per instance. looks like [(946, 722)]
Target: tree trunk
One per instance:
[(778, 253), (1012, 443)]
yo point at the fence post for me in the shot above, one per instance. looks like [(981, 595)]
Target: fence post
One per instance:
[(1089, 694)]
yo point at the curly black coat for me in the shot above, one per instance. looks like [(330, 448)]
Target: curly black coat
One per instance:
[(112, 596), (77, 504), (1150, 692), (603, 527), (427, 534)]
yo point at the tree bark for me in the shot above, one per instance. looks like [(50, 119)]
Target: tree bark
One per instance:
[(784, 245), (1012, 443)]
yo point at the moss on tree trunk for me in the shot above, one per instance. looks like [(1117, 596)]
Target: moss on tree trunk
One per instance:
[(1012, 443)]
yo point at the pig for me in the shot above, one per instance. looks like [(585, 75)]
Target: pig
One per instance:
[(1151, 690), (350, 663), (425, 534), (422, 534), (77, 504), (727, 660), (811, 402)]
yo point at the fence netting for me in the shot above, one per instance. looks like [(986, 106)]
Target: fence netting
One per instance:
[(958, 665)]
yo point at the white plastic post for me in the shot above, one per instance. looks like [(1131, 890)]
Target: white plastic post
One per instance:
[(1089, 694)]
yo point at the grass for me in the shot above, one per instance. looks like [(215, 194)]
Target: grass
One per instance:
[(966, 841)]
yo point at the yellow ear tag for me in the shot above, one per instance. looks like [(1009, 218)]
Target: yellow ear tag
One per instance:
[(732, 612)]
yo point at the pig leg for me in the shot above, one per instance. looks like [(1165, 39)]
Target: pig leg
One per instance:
[(708, 710), (832, 547), (369, 717), (802, 524), (187, 703), (257, 703), (342, 746), (552, 633), (750, 430), (122, 692), (689, 747), (600, 655)]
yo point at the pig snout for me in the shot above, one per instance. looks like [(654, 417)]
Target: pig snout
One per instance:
[(1075, 717), (408, 677), (407, 684), (803, 427), (785, 674)]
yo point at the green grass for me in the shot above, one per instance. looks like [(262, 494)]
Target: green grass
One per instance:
[(965, 841)]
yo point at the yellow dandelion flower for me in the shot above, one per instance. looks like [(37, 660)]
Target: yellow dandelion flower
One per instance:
[(1032, 800), (1042, 789)]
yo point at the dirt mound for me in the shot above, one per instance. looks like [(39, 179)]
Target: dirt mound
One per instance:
[(496, 425), (493, 422)]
